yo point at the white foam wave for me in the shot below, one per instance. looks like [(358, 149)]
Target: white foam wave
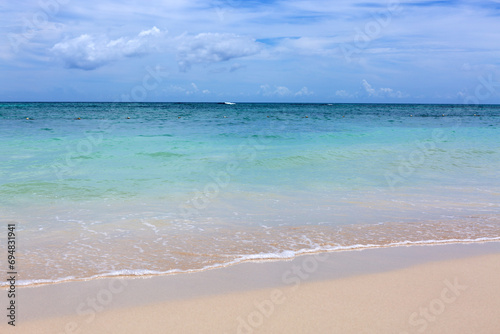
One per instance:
[(279, 256)]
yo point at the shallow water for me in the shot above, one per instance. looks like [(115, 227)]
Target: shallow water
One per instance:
[(181, 187)]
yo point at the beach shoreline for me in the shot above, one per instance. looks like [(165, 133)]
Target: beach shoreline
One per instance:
[(259, 258), (263, 297)]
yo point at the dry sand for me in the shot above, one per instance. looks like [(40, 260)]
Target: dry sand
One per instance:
[(419, 289)]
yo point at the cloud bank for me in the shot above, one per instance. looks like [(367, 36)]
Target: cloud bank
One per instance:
[(88, 52), (206, 48)]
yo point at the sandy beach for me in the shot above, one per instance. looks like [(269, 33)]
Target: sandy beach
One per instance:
[(420, 289)]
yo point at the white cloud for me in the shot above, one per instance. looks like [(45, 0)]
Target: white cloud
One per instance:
[(304, 92), (381, 92), (190, 90), (368, 88), (342, 94), (213, 48), (89, 52), (151, 32), (282, 91), (322, 46), (266, 90)]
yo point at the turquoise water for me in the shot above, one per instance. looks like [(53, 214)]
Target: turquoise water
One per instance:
[(103, 189)]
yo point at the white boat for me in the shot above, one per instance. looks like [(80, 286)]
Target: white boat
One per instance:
[(231, 103)]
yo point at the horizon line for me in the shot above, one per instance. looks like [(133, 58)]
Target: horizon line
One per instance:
[(222, 102)]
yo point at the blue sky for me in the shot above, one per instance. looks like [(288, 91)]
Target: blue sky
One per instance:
[(256, 51)]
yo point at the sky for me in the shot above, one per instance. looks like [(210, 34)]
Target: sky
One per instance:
[(344, 51)]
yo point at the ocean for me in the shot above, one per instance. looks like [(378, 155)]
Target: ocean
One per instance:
[(111, 189)]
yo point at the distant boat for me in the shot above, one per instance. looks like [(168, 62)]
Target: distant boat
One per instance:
[(231, 103)]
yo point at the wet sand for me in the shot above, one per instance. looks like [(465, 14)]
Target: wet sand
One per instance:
[(419, 289)]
